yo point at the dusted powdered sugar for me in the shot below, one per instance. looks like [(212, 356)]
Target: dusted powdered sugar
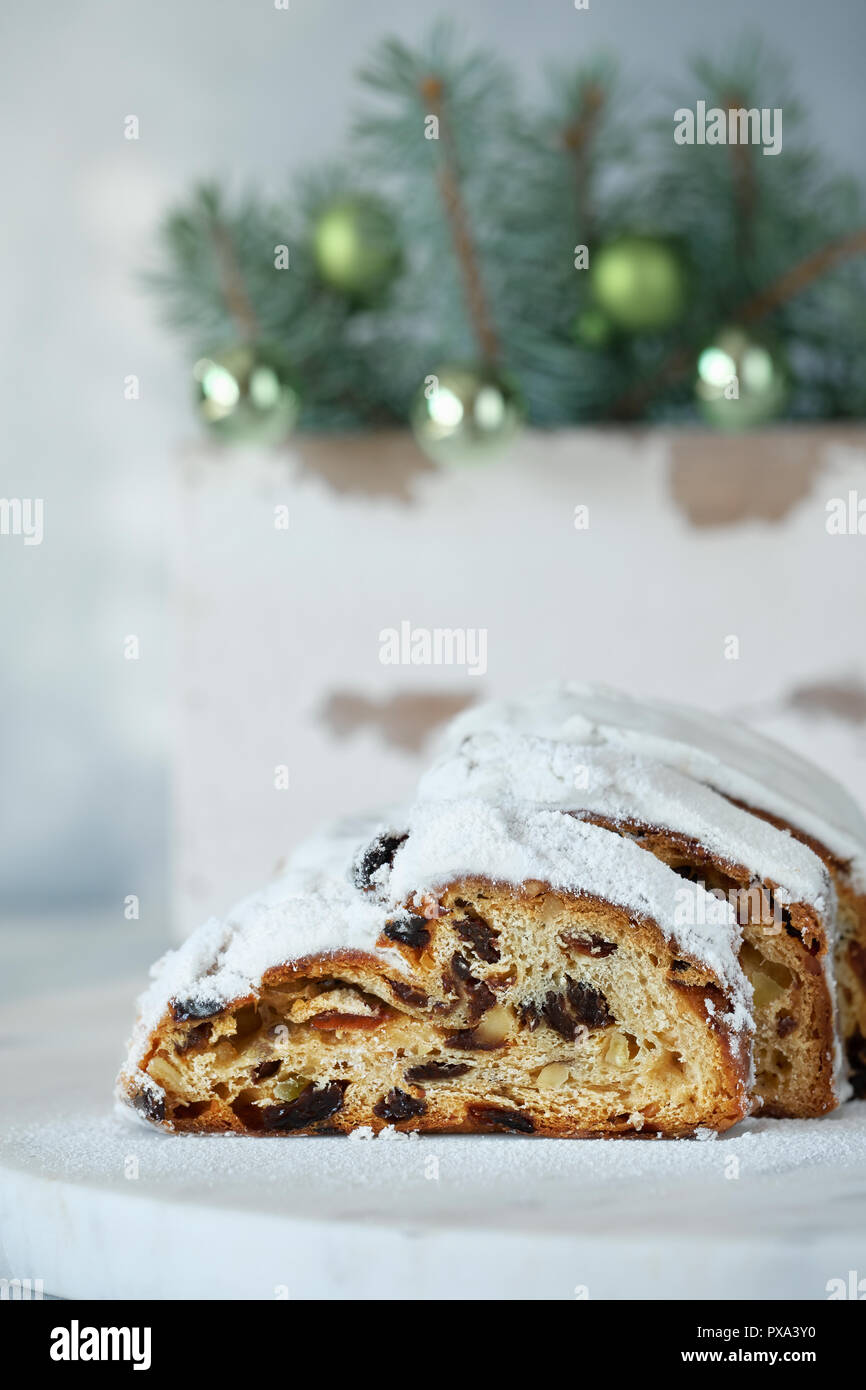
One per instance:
[(720, 753), (621, 785), (311, 909)]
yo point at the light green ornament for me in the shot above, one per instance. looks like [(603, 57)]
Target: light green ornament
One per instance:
[(741, 382), (355, 246), (466, 414), (639, 283), (247, 394)]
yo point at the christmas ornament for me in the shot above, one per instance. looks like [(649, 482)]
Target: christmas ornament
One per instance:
[(639, 283), (247, 394), (741, 381), (466, 414), (355, 246)]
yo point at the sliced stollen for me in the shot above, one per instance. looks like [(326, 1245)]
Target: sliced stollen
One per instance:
[(780, 890), (474, 967), (754, 773)]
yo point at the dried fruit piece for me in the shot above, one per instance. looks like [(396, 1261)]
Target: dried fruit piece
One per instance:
[(184, 1009), (332, 1020), (414, 997), (398, 1105), (497, 1118), (785, 1025), (409, 930), (198, 1036), (480, 936), (150, 1104), (290, 1087), (557, 1015), (589, 1004), (312, 1105), (340, 999), (588, 944), (579, 1006), (479, 995), (379, 852), (266, 1069), (465, 1040), (529, 1015), (437, 1071), (430, 906)]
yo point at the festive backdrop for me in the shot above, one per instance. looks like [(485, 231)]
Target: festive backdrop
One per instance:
[(475, 260), (264, 104)]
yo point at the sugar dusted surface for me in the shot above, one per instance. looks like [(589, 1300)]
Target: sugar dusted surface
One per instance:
[(719, 752), (622, 785), (481, 1179), (229, 1201)]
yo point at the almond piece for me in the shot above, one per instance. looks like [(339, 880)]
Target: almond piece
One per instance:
[(554, 1074), (495, 1026)]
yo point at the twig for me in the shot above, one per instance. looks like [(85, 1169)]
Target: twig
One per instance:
[(448, 180), (801, 275), (234, 290), (743, 166), (577, 139), (750, 310)]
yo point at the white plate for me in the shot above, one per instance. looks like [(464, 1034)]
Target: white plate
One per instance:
[(96, 1205)]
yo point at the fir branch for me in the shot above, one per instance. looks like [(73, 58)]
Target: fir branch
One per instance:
[(494, 200), (232, 282), (578, 138), (751, 310), (802, 275), (432, 93), (744, 181)]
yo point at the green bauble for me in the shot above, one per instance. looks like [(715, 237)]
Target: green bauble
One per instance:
[(639, 283), (247, 394), (355, 246), (466, 414), (741, 381)]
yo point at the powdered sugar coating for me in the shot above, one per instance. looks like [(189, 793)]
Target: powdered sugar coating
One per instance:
[(719, 753), (311, 909), (622, 785)]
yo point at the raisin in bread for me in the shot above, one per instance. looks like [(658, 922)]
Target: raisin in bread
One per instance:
[(474, 967)]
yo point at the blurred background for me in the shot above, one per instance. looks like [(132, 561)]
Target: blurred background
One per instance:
[(149, 769)]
